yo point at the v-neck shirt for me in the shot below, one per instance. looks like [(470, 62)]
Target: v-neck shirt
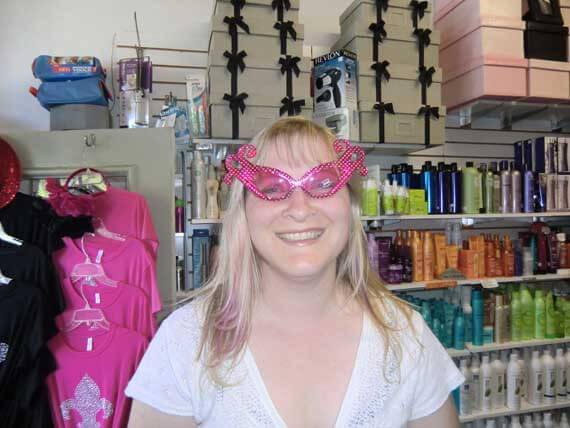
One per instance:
[(384, 391)]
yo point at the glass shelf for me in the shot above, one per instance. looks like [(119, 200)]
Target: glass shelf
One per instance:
[(516, 216)]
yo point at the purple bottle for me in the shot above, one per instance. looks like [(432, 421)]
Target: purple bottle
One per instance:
[(528, 189)]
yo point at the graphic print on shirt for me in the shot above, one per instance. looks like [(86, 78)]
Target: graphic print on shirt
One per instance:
[(88, 403), (3, 351)]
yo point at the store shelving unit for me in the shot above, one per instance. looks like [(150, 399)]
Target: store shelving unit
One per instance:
[(492, 347), (498, 216), (505, 411)]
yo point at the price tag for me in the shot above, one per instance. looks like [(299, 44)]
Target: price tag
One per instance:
[(490, 283), (437, 284), (97, 298), (89, 344)]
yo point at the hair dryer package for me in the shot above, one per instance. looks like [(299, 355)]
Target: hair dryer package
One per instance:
[(335, 89)]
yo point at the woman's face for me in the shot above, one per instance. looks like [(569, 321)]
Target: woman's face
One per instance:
[(300, 236)]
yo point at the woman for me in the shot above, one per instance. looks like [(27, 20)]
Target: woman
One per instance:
[(293, 329)]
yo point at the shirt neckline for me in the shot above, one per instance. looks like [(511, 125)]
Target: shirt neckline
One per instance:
[(261, 388), (114, 292), (107, 339), (120, 245)]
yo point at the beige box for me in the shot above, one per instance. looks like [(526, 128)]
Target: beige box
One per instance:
[(399, 48), (254, 119), (398, 16), (258, 10), (548, 80), (263, 46), (265, 86), (404, 127), (403, 89)]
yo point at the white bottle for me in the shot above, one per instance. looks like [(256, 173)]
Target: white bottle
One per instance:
[(547, 422), (549, 377), (514, 376), (502, 422), (486, 385), (465, 397), (524, 363), (490, 423), (560, 362), (476, 383), (537, 420), (564, 421), (515, 422), (499, 371), (528, 421), (198, 167), (535, 380), (388, 198), (212, 186), (567, 356)]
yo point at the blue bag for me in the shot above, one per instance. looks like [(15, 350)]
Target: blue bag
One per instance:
[(84, 91), (55, 68)]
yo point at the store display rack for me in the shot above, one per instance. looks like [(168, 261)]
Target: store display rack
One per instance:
[(492, 347), (512, 216), (505, 411)]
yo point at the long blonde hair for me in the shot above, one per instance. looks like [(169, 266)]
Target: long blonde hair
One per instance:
[(230, 292)]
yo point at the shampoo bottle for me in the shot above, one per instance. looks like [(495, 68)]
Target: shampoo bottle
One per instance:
[(539, 315), (478, 315), (417, 257), (535, 380), (459, 329), (560, 362), (528, 190), (524, 362), (537, 420), (476, 383), (516, 189), (516, 422), (465, 397), (564, 421), (527, 307), (212, 185), (499, 319), (429, 258), (506, 186), (496, 188), (488, 190), (486, 385), (547, 422), (516, 316), (499, 371), (199, 198), (472, 192), (514, 377), (528, 421), (550, 316), (455, 191), (549, 377), (468, 314)]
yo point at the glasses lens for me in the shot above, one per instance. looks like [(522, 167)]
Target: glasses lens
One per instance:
[(271, 185), (321, 183)]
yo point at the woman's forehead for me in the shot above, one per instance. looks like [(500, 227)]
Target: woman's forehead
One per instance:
[(295, 154)]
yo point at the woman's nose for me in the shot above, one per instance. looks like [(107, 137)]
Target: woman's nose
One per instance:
[(300, 206)]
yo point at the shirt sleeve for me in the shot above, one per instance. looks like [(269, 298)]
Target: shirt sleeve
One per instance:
[(435, 376), (156, 381), (147, 232)]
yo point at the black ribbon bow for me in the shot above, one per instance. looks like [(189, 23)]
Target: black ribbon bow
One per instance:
[(418, 10), (383, 108), (237, 103), (281, 5), (381, 69), (284, 29), (290, 63), (239, 4), (234, 22), (382, 4), (428, 111), (235, 61), (378, 31), (291, 106), (426, 79), (424, 41)]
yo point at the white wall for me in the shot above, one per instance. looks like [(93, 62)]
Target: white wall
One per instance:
[(29, 28)]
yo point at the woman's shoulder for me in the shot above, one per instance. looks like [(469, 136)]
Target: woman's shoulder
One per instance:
[(183, 327)]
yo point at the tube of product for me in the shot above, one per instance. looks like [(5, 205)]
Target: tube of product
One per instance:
[(440, 254), (452, 256)]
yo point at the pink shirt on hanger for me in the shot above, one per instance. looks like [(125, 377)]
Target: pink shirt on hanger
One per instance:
[(126, 213), (127, 261), (124, 305), (87, 389)]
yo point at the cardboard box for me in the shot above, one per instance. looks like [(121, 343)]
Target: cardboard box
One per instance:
[(562, 192), (545, 152), (563, 155), (258, 10), (548, 80), (79, 116), (398, 48), (251, 122), (403, 89), (399, 16), (265, 86), (403, 127), (342, 122)]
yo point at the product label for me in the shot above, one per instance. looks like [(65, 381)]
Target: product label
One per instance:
[(487, 394), (465, 399), (550, 384)]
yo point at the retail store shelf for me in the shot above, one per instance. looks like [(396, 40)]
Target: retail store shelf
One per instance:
[(419, 286), (529, 216), (206, 220), (458, 353), (513, 345), (504, 411)]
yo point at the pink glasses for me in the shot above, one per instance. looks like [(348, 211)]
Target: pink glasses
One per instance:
[(272, 184)]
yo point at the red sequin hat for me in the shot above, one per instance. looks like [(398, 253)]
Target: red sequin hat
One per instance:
[(10, 173)]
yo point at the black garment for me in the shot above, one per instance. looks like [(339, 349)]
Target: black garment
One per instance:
[(25, 360), (28, 263), (32, 220)]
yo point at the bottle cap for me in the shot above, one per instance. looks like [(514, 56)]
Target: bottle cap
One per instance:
[(512, 164), (469, 164), (453, 167), (483, 167), (440, 166), (394, 169), (493, 166), (561, 237), (410, 169), (504, 165)]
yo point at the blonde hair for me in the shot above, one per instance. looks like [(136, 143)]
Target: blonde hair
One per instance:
[(229, 294)]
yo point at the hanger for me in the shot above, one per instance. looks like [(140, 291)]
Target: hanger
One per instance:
[(92, 317), (87, 181), (89, 271), (4, 280), (8, 238), (101, 230)]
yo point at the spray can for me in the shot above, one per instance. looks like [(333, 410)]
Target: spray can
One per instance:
[(528, 189), (506, 188), (516, 189)]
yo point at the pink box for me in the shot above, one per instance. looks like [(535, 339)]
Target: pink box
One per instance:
[(493, 81), (483, 46), (548, 80), (457, 18)]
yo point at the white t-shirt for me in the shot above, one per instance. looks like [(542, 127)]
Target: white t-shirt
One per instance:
[(382, 393)]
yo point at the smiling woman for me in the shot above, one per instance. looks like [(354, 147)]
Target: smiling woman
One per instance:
[(294, 329)]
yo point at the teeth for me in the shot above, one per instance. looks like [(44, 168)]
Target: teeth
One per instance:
[(302, 236)]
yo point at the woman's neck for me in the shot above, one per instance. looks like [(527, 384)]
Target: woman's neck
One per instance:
[(300, 300)]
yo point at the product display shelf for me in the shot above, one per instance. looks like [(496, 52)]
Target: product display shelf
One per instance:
[(492, 347), (505, 411), (458, 353), (207, 221), (515, 216), (511, 115), (419, 286)]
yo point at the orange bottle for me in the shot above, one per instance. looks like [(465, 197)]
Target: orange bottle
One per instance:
[(490, 261), (429, 256), (508, 257), (417, 250), (498, 257)]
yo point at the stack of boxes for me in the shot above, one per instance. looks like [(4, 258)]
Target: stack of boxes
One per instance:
[(399, 82), (256, 69)]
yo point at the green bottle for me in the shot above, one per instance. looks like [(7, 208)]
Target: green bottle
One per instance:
[(516, 316), (550, 316), (527, 309), (539, 315), (472, 194), (566, 306), (559, 305)]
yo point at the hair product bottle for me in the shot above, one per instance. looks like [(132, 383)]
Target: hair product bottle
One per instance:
[(472, 192), (560, 362), (499, 319), (455, 190), (443, 188), (465, 397), (212, 185), (528, 190), (459, 329), (516, 316), (539, 315), (499, 255), (198, 167), (508, 257), (524, 362), (516, 189), (506, 188), (528, 421), (564, 421), (547, 422), (486, 384), (516, 422), (549, 377), (428, 256), (496, 188), (535, 379), (417, 257), (527, 307), (550, 316), (498, 382), (514, 377), (476, 383), (478, 315)]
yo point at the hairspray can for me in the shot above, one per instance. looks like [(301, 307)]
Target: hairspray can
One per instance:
[(528, 190), (516, 189), (506, 188)]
